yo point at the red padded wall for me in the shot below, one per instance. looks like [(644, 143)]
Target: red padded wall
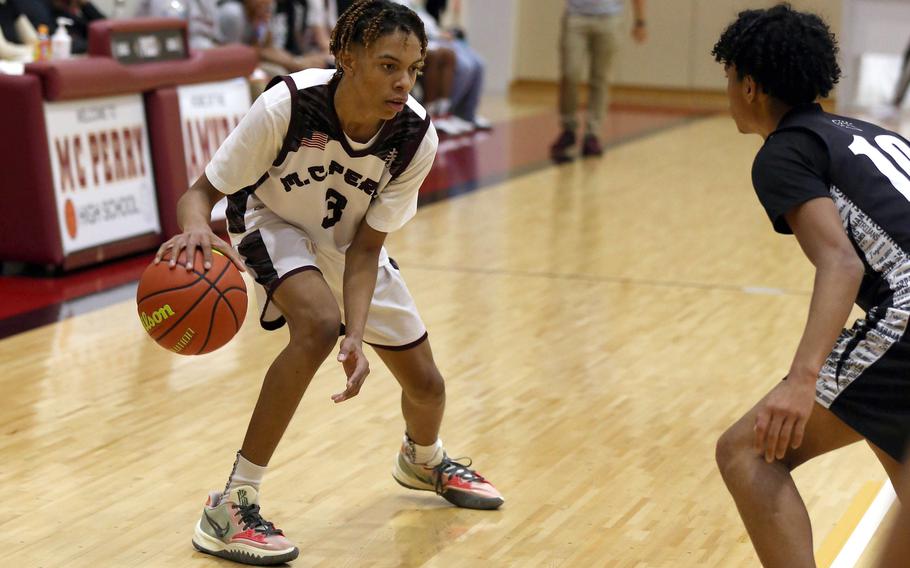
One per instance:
[(162, 111), (28, 226)]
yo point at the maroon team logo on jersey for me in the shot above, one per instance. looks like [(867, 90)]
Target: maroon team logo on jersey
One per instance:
[(313, 139)]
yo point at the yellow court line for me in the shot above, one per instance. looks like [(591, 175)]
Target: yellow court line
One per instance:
[(838, 536)]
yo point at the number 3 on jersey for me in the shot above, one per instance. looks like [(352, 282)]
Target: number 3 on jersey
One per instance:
[(335, 204), (899, 152)]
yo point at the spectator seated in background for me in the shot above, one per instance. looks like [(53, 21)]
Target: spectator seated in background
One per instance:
[(438, 78), (18, 34), (436, 8), (460, 108), (202, 17), (311, 29), (273, 28), (80, 12)]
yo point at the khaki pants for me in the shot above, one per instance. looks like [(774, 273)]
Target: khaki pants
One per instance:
[(597, 37)]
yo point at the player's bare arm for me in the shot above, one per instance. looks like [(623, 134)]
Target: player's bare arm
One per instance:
[(838, 272), (194, 209), (361, 263)]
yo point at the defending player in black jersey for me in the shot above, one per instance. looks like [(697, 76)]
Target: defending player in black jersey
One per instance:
[(842, 187)]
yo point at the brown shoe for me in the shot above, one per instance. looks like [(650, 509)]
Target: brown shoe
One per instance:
[(560, 151), (591, 146)]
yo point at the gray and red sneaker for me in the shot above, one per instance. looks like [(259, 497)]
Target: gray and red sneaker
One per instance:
[(456, 482), (231, 527)]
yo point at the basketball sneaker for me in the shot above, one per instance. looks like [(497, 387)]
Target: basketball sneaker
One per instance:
[(456, 482), (231, 527)]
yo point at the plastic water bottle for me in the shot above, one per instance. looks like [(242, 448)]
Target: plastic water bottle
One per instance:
[(61, 42), (43, 47)]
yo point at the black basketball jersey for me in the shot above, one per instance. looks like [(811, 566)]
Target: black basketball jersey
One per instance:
[(865, 169)]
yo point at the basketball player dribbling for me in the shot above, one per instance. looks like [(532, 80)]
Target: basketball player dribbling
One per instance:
[(320, 170), (842, 187)]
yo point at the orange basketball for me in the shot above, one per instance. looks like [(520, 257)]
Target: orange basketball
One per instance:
[(192, 312)]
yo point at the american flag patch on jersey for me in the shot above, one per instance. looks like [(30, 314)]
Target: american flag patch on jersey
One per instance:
[(314, 139)]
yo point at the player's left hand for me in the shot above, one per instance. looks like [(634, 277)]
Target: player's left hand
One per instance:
[(356, 367), (782, 417)]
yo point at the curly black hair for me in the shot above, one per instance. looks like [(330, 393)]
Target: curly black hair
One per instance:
[(792, 55), (367, 20)]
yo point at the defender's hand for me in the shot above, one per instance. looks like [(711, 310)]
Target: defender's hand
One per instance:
[(782, 418)]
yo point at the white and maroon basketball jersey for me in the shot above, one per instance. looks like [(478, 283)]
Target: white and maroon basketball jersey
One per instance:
[(290, 155)]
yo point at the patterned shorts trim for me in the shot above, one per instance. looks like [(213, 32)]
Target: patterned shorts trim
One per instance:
[(866, 379)]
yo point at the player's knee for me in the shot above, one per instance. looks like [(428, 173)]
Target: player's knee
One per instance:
[(730, 448), (431, 388), (315, 330)]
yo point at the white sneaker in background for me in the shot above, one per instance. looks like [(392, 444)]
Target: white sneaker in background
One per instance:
[(463, 125), (482, 123)]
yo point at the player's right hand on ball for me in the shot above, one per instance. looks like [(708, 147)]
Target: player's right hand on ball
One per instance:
[(204, 240)]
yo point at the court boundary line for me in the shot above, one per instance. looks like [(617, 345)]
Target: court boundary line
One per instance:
[(851, 535), (744, 289)]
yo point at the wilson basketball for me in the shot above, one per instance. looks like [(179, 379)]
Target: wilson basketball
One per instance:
[(192, 312)]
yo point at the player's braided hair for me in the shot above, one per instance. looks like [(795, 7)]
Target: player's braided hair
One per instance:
[(792, 55), (367, 20)]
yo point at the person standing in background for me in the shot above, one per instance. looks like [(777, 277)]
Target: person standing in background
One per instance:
[(592, 27), (270, 26)]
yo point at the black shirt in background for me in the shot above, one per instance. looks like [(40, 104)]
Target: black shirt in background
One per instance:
[(9, 13), (343, 5), (81, 18)]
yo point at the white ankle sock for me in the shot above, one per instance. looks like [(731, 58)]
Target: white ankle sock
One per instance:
[(429, 455), (245, 472)]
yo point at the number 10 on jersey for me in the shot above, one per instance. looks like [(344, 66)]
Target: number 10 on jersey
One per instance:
[(894, 147)]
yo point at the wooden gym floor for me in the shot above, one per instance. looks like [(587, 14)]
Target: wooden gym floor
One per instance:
[(599, 325)]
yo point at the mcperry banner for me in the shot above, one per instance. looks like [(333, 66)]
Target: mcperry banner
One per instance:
[(102, 170), (208, 113)]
